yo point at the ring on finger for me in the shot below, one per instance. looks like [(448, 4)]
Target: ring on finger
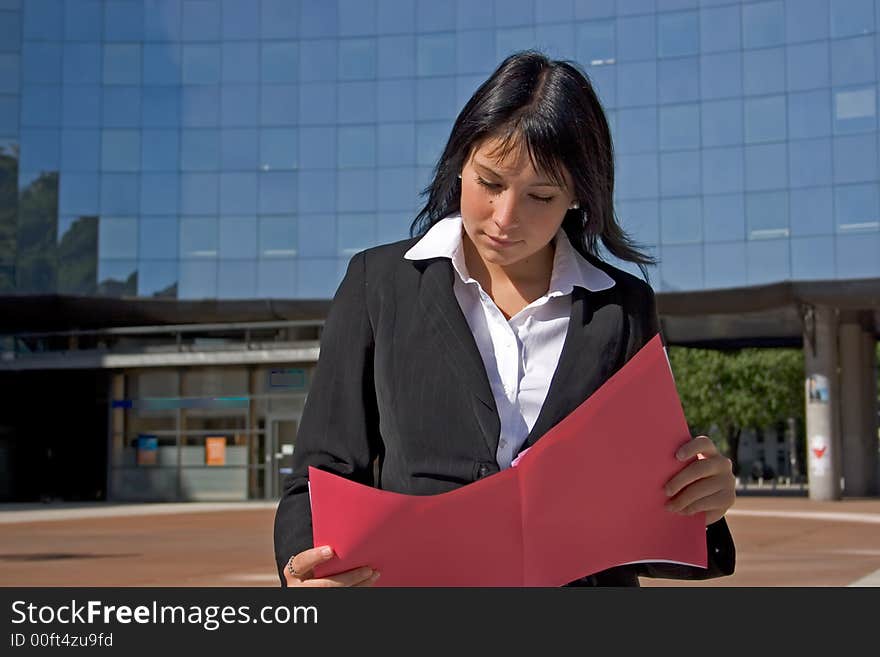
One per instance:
[(292, 570)]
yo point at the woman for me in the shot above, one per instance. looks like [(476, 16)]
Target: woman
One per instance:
[(445, 355)]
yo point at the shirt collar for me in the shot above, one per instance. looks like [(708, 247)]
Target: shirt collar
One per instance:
[(570, 268)]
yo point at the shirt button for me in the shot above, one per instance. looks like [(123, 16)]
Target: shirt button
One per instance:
[(484, 470)]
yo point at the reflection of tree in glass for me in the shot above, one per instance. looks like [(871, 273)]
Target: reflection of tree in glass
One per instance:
[(8, 213), (78, 257), (36, 269), (112, 287)]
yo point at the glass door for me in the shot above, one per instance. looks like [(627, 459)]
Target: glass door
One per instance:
[(282, 437)]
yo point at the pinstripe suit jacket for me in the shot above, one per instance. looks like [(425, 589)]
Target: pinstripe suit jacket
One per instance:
[(400, 398)]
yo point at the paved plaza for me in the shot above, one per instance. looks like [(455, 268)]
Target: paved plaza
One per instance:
[(781, 541)]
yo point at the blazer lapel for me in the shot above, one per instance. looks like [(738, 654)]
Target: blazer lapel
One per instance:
[(438, 303), (591, 351)]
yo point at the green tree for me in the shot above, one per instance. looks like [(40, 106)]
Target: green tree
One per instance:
[(728, 391)]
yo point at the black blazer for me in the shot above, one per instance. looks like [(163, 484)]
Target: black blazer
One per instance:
[(400, 398)]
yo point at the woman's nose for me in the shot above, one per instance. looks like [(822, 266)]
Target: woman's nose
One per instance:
[(505, 215)]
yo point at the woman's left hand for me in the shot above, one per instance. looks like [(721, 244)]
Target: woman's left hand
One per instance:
[(706, 484)]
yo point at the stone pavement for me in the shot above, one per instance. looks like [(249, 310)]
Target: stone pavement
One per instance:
[(781, 541)]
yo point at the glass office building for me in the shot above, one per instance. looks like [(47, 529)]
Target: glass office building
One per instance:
[(242, 150)]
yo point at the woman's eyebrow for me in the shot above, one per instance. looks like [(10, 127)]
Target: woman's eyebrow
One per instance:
[(540, 183)]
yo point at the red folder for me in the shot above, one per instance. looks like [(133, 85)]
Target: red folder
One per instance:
[(587, 496)]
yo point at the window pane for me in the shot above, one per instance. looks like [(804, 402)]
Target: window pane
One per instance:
[(10, 80), (857, 256), (641, 220), (117, 278), (595, 42), (851, 17), (162, 20), (160, 150), (636, 130), (853, 61), (200, 106), (357, 147), (725, 264), (122, 64), (158, 238), (637, 176), (855, 110), (808, 66), (280, 62), (857, 208), (123, 21), (240, 62), (238, 237), (681, 267), (199, 150), (636, 38), (319, 191), (161, 107), (764, 71), (317, 103), (435, 99), (238, 193), (763, 24), (236, 279), (198, 237), (276, 278), (160, 193), (812, 258), (198, 279), (277, 192), (811, 211), (78, 194), (317, 278), (201, 64), (277, 237), (681, 220), (680, 173), (40, 150), (118, 237), (724, 217), (120, 194), (809, 162), (767, 261), (356, 233), (199, 193), (157, 278), (201, 20), (679, 34), (679, 126), (720, 29), (396, 16), (356, 191), (767, 215), (637, 84), (436, 55), (809, 114), (398, 189), (679, 80), (239, 150), (765, 119), (723, 170), (722, 123), (278, 19), (855, 159), (162, 63), (806, 20), (316, 235), (41, 63), (357, 17), (239, 20), (766, 167), (720, 76), (41, 107), (357, 102), (83, 20), (239, 103)]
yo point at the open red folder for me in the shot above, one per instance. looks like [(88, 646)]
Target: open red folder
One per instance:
[(587, 496)]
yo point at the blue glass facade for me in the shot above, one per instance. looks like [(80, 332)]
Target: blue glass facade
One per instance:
[(247, 148)]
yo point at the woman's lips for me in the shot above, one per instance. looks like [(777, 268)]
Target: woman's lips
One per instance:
[(500, 242)]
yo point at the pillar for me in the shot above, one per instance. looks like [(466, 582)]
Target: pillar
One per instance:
[(822, 402)]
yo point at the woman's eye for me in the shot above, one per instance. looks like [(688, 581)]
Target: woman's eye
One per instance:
[(542, 199), (488, 185)]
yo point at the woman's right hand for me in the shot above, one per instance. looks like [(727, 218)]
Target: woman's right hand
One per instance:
[(299, 571)]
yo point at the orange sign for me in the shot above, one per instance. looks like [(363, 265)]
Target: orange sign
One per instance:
[(215, 450)]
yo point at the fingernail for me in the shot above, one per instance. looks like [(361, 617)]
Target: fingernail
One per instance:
[(375, 576), (367, 572), (326, 552)]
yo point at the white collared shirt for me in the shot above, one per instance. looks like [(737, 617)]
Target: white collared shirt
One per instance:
[(519, 354)]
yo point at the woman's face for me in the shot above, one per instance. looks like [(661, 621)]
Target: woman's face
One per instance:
[(510, 211)]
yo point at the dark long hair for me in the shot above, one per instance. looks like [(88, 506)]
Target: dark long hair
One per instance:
[(550, 107)]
